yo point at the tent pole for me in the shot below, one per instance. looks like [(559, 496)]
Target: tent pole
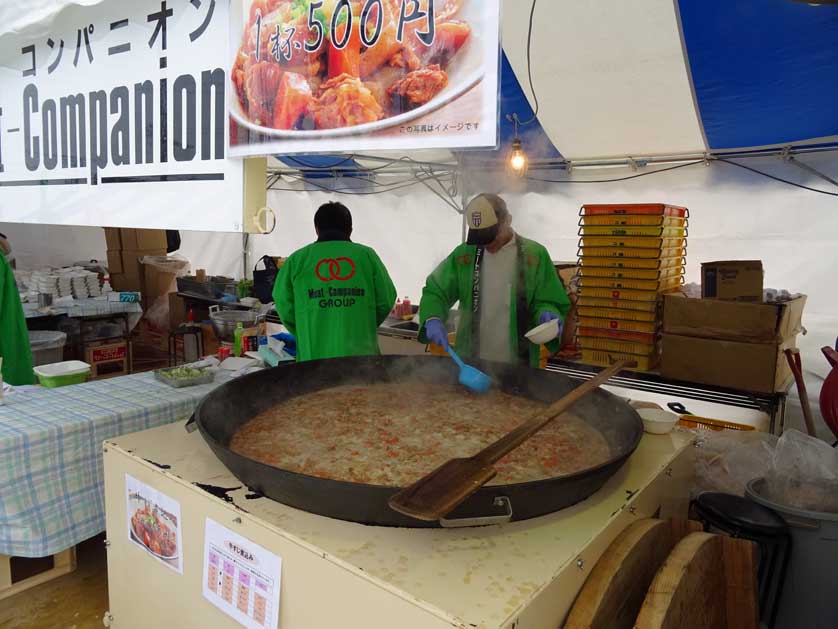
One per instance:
[(463, 196), (245, 261)]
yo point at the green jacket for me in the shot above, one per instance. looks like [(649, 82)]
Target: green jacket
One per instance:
[(14, 337), (453, 281), (332, 296)]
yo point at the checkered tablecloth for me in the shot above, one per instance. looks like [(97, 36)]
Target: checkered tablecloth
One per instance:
[(51, 475)]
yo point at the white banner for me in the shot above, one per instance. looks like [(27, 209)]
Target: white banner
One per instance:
[(115, 115)]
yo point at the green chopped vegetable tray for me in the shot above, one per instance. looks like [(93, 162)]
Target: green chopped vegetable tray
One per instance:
[(184, 376)]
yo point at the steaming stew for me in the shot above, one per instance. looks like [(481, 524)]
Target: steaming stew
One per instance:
[(392, 434)]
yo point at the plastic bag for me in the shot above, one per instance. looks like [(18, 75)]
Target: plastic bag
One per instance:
[(804, 474), (728, 460), (175, 264)]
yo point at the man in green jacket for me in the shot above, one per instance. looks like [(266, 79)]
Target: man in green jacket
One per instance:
[(506, 285), (333, 294), (14, 338)]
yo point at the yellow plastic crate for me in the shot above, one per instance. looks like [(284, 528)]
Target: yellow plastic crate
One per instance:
[(612, 345), (617, 325), (621, 252), (621, 314), (624, 294), (606, 359), (630, 274), (586, 301), (643, 209), (632, 242), (631, 231), (662, 285), (624, 219), (631, 263)]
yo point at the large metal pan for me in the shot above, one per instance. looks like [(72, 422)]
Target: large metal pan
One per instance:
[(220, 414)]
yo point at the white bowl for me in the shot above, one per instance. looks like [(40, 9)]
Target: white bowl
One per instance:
[(544, 333), (657, 421)]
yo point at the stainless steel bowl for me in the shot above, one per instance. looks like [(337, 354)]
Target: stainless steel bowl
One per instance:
[(224, 322)]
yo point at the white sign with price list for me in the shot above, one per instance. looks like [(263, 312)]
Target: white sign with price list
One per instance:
[(241, 578)]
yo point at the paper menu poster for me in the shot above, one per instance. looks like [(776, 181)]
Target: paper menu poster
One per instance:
[(241, 578), (154, 523)]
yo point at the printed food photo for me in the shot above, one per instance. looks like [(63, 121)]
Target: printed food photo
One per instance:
[(309, 68), (155, 529)]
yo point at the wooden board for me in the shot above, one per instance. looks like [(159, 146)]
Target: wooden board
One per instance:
[(612, 596), (707, 582), (63, 563)]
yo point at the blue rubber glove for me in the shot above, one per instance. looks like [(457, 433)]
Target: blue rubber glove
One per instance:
[(436, 332), (548, 316)]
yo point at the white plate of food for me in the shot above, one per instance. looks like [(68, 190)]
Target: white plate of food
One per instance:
[(154, 529), (304, 99)]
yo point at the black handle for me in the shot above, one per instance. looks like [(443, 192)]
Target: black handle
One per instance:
[(678, 408), (270, 263)]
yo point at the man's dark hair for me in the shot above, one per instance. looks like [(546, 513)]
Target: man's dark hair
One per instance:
[(333, 218)]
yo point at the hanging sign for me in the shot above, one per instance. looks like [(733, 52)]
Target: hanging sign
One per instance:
[(348, 75), (115, 115)]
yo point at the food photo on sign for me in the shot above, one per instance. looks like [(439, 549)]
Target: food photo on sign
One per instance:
[(325, 75), (154, 523)]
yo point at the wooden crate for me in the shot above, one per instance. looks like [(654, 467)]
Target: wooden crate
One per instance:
[(62, 563)]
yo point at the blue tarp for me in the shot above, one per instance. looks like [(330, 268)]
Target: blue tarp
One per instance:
[(764, 72)]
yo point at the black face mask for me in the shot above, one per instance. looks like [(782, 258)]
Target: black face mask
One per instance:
[(333, 235)]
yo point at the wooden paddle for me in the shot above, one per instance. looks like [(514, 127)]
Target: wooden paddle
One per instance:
[(437, 494)]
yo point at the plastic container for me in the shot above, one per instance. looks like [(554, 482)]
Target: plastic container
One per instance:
[(634, 209), (808, 598), (657, 421), (586, 272), (634, 242), (619, 309), (47, 346), (633, 220), (630, 252), (649, 338), (606, 359), (657, 231), (62, 374), (604, 323), (205, 378), (621, 347), (646, 285), (617, 262), (624, 294)]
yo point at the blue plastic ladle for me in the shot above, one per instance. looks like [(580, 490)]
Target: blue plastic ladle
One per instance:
[(471, 377)]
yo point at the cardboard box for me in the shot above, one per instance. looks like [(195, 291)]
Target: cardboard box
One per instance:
[(112, 238), (735, 321), (143, 239), (114, 262), (754, 367), (108, 360), (735, 280)]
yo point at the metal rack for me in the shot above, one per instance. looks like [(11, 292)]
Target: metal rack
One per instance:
[(774, 404)]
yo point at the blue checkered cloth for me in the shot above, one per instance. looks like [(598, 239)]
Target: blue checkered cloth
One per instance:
[(51, 474)]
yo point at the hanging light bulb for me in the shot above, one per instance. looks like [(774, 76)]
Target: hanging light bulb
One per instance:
[(518, 161)]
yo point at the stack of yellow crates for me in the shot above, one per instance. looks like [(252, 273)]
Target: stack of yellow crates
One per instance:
[(629, 256)]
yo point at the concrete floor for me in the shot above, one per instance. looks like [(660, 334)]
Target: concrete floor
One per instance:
[(75, 601)]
